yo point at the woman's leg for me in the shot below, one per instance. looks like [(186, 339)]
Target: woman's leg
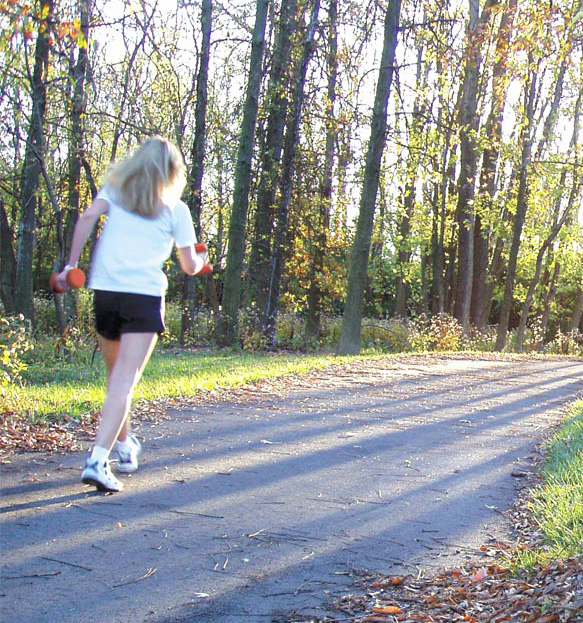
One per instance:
[(109, 350), (133, 353)]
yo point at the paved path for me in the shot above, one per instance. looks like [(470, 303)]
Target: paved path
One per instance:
[(248, 510)]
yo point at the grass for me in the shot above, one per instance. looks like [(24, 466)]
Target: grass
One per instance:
[(556, 505), (53, 388)]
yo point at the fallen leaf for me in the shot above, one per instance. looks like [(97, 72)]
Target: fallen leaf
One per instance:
[(479, 575), (388, 610)]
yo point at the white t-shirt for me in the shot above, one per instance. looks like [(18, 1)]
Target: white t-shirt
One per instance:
[(132, 249)]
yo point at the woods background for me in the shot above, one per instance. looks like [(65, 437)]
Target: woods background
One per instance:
[(401, 162)]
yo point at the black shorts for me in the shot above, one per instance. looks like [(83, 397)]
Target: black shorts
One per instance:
[(123, 312)]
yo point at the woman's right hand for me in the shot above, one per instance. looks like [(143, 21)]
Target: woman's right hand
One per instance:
[(61, 279)]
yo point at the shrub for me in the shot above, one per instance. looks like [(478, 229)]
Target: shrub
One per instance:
[(14, 341), (441, 332), (387, 335), (567, 343), (45, 317), (290, 332), (484, 340), (201, 330)]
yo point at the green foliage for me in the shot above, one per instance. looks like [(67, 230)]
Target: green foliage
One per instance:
[(45, 321), (15, 340), (380, 296), (81, 332), (421, 153), (290, 331)]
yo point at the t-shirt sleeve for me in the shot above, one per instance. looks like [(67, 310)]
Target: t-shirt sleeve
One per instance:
[(183, 228), (105, 193)]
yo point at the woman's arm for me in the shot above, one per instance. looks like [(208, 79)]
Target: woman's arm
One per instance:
[(83, 228), (190, 261)]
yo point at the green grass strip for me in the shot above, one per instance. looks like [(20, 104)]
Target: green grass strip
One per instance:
[(54, 388), (557, 504)]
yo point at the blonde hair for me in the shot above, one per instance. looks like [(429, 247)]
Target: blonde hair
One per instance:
[(151, 177)]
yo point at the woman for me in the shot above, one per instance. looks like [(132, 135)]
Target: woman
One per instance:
[(145, 218)]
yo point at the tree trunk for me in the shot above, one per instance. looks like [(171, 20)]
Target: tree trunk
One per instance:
[(521, 209), (7, 263), (493, 131), (469, 122), (538, 269), (556, 228), (351, 322), (443, 174), (78, 77), (315, 292), (289, 153), (78, 74), (278, 103), (548, 300), (577, 311), (31, 173), (404, 221), (437, 299), (227, 329), (194, 197)]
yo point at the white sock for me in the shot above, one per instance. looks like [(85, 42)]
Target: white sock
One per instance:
[(99, 454), (122, 445)]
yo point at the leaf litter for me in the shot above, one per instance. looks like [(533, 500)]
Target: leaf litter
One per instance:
[(492, 594)]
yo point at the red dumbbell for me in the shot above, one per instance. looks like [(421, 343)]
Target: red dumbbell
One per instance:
[(75, 278), (207, 269)]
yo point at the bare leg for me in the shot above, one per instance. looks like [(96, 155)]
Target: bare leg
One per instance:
[(109, 350), (132, 356)]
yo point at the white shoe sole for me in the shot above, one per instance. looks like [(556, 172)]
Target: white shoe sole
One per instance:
[(125, 468), (88, 480)]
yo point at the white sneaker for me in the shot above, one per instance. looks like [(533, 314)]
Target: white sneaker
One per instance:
[(126, 454), (99, 475)]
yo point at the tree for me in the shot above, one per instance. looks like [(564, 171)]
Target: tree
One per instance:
[(405, 218), (269, 169), (129, 74), (521, 204), (194, 191), (7, 263), (228, 322), (32, 168), (322, 225), (289, 154), (559, 221), (351, 322), (469, 125), (482, 281)]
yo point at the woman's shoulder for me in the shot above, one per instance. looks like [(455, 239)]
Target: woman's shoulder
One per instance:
[(109, 194), (178, 205), (179, 209)]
